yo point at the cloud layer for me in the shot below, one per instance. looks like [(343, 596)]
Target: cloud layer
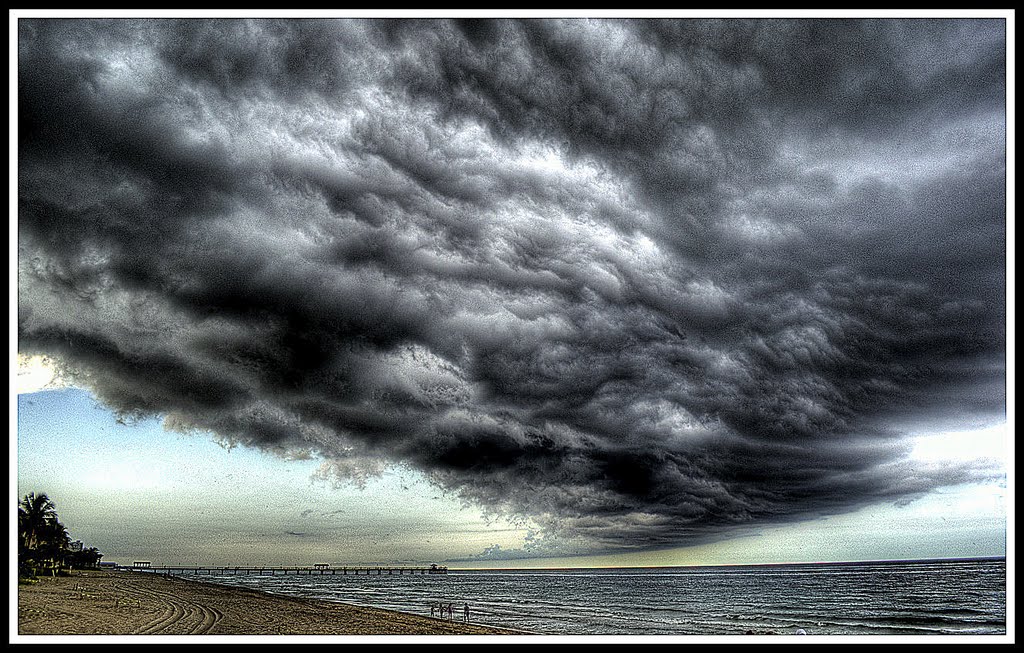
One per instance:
[(644, 282)]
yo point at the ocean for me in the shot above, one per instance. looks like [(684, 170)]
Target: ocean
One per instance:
[(945, 597)]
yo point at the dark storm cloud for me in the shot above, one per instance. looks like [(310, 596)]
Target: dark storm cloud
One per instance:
[(644, 282)]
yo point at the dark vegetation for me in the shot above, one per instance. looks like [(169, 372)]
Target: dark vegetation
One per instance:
[(44, 543)]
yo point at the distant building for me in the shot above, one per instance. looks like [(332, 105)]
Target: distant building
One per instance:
[(142, 563)]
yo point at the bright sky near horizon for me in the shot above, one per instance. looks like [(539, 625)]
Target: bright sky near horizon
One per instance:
[(515, 292), (133, 490)]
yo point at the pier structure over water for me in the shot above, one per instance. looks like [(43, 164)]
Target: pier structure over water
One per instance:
[(305, 570)]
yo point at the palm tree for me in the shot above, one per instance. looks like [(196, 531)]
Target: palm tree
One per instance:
[(89, 557), (54, 546), (36, 515), (43, 541)]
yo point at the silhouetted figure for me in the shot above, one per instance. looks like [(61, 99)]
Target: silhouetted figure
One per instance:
[(465, 613), (433, 609)]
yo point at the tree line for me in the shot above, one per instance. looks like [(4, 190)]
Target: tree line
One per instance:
[(44, 543)]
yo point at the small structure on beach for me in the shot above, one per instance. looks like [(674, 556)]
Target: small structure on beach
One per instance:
[(142, 563)]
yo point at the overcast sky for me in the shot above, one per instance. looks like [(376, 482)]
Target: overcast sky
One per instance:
[(642, 284)]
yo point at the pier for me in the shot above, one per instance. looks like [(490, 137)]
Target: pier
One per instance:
[(304, 570)]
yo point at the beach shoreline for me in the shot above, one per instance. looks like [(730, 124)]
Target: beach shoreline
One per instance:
[(133, 603)]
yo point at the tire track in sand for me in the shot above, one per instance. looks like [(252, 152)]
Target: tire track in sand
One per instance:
[(179, 617)]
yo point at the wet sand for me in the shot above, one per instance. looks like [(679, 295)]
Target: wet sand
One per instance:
[(125, 603)]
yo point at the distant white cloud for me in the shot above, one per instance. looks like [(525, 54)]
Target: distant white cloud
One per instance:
[(37, 373), (987, 443)]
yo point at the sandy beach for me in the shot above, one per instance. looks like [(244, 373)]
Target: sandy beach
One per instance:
[(125, 603)]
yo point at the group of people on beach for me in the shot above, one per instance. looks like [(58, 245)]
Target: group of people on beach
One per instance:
[(447, 611)]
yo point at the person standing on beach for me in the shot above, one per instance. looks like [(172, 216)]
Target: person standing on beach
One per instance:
[(465, 613), (433, 609)]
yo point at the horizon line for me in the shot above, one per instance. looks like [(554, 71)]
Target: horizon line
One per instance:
[(744, 564), (447, 564)]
